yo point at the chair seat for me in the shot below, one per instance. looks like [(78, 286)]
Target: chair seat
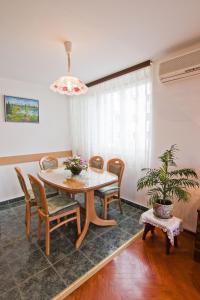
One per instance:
[(107, 190), (60, 203)]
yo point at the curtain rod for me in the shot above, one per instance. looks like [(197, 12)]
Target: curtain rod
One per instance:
[(120, 73)]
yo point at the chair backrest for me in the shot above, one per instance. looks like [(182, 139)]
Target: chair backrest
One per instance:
[(116, 166), (96, 162), (22, 183), (39, 193), (48, 162)]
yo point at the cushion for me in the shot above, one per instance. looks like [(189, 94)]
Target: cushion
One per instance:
[(96, 164), (50, 191), (61, 203), (115, 169), (32, 198), (105, 191), (49, 164)]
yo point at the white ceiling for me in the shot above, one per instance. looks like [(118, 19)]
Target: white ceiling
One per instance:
[(107, 35)]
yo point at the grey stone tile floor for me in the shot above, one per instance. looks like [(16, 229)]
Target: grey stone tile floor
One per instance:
[(27, 273)]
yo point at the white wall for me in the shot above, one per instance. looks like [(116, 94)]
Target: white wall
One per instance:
[(51, 134), (176, 120)]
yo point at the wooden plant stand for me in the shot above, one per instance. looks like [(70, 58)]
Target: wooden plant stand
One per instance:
[(149, 227)]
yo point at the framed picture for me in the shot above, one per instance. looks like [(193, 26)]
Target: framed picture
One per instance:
[(21, 109)]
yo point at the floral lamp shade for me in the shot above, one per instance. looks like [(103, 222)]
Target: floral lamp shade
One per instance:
[(69, 85)]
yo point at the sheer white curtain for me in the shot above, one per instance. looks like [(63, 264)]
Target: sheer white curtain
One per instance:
[(114, 120)]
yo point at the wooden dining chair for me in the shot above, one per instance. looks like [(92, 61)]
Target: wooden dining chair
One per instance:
[(96, 162), (53, 209), (29, 200), (48, 163), (111, 193)]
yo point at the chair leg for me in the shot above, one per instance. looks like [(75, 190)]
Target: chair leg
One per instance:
[(39, 227), (47, 238), (25, 221), (120, 206), (78, 220), (105, 208), (28, 222)]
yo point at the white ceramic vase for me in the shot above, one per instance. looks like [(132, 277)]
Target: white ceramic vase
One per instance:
[(163, 211)]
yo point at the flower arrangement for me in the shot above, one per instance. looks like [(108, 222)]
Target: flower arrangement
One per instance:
[(75, 164)]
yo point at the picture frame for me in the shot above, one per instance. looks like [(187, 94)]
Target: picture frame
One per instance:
[(21, 110)]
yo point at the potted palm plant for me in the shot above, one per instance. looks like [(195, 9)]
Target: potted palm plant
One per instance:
[(167, 183)]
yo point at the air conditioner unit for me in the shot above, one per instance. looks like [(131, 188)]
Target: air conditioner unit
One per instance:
[(179, 67)]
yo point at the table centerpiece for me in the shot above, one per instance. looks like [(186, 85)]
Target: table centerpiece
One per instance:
[(75, 164)]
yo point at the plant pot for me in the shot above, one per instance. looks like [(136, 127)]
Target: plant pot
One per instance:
[(76, 171), (163, 211)]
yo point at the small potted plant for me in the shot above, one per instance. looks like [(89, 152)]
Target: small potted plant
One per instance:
[(75, 164), (167, 183)]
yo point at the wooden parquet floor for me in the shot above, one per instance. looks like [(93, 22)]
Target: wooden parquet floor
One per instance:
[(144, 272)]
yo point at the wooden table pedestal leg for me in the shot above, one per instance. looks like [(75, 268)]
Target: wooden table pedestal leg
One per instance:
[(91, 217)]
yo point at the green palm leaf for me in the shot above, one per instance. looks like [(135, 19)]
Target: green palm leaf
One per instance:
[(180, 194), (164, 183), (184, 172), (183, 182)]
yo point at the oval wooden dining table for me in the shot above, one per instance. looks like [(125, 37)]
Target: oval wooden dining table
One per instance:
[(86, 183)]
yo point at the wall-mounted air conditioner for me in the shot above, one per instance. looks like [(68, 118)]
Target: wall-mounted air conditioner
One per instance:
[(179, 67)]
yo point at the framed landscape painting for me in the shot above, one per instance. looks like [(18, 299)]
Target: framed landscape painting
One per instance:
[(21, 109)]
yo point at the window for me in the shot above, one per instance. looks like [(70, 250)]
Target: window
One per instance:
[(114, 120)]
